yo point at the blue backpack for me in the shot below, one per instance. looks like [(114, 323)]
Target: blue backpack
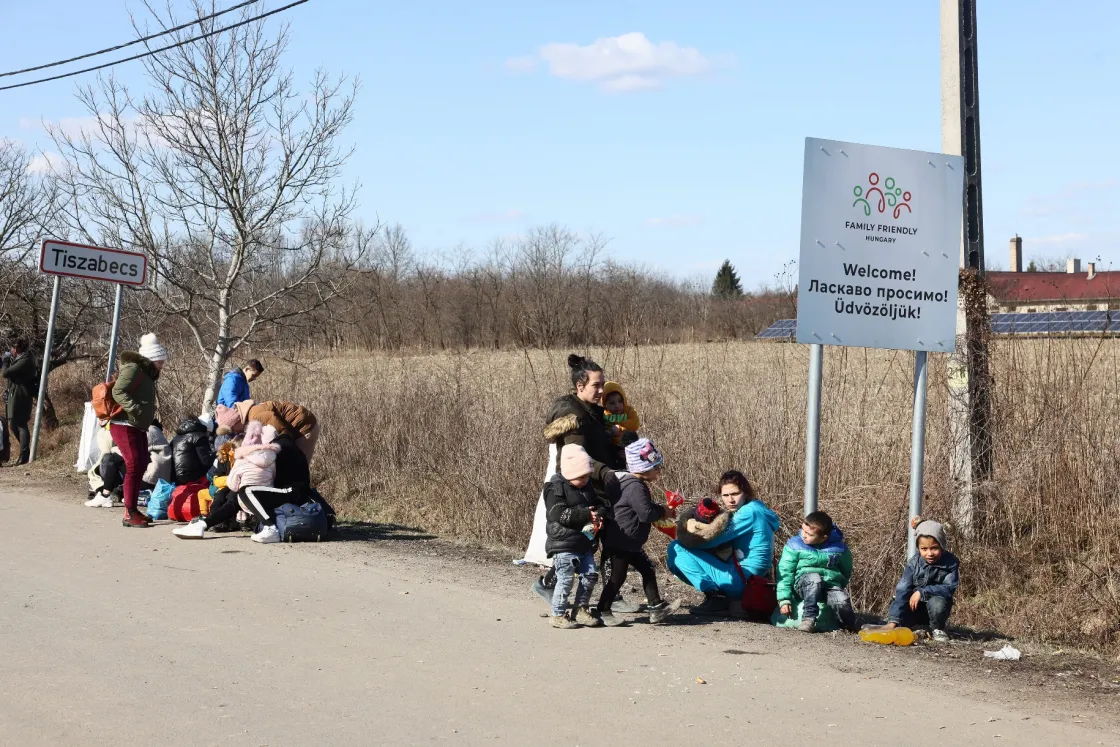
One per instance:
[(306, 523)]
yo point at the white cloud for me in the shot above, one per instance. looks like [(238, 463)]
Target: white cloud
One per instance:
[(501, 216), (44, 162), (617, 64), (1065, 238), (525, 64), (674, 221)]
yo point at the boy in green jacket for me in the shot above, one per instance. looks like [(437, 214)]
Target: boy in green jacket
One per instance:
[(816, 567)]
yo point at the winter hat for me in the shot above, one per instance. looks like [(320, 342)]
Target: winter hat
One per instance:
[(253, 434), (933, 529), (151, 349), (227, 417), (642, 456), (574, 462), (707, 510), (156, 439)]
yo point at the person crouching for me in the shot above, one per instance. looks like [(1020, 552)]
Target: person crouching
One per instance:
[(574, 516)]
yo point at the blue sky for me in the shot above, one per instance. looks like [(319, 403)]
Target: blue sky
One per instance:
[(681, 142)]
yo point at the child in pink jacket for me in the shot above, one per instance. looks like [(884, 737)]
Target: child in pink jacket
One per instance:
[(254, 463)]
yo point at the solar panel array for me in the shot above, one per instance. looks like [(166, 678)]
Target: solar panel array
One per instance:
[(1038, 323), (783, 329)]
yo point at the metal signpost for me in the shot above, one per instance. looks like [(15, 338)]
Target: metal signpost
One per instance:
[(66, 259), (878, 268)]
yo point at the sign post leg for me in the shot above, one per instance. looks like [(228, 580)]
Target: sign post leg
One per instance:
[(114, 335), (813, 428), (46, 366), (917, 445)]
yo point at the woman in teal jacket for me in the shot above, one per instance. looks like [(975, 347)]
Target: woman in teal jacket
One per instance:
[(743, 535)]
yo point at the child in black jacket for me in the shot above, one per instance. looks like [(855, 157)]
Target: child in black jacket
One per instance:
[(574, 516), (627, 532)]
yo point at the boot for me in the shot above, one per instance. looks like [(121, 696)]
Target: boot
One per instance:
[(136, 519), (714, 605)]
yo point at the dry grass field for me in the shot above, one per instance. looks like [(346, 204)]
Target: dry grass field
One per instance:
[(452, 444)]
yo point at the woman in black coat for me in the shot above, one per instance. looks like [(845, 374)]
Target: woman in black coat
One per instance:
[(20, 372)]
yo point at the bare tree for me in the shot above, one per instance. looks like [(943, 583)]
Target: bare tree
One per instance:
[(225, 175)]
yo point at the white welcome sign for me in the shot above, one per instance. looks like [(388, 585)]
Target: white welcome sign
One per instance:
[(880, 247)]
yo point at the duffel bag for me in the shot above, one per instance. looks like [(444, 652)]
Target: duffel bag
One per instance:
[(184, 502), (306, 523)]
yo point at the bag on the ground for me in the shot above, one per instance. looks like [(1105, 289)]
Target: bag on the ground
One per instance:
[(184, 502), (306, 523), (160, 499), (314, 495), (760, 595)]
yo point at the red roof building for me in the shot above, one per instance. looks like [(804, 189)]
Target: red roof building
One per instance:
[(1072, 290)]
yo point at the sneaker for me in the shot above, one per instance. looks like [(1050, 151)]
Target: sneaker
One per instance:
[(196, 530), (941, 636), (622, 607), (610, 620), (268, 535), (100, 501), (542, 591), (808, 625), (584, 617), (659, 612), (714, 605), (136, 519), (563, 622)]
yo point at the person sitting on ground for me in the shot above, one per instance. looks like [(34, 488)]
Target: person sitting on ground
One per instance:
[(748, 526), (235, 384), (619, 416), (574, 516), (191, 452), (254, 465), (924, 594), (160, 458), (289, 419), (106, 476), (135, 395), (816, 567), (627, 531)]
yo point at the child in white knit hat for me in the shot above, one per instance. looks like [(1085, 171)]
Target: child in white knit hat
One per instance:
[(924, 594)]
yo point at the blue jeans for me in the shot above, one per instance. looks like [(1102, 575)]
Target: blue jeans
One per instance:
[(812, 590), (568, 565), (933, 611)]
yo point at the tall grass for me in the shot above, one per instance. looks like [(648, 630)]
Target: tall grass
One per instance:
[(452, 443)]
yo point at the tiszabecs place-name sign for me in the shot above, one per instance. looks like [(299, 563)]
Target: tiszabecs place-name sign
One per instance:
[(93, 263)]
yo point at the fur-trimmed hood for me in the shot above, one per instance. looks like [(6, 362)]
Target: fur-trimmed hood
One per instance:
[(562, 426), (695, 534), (145, 365)]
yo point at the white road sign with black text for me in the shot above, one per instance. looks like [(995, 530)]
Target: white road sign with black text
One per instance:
[(880, 247), (93, 263)]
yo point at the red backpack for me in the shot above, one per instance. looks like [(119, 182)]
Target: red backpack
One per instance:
[(184, 501), (104, 406)]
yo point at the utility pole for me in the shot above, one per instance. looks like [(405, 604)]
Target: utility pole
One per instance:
[(969, 380)]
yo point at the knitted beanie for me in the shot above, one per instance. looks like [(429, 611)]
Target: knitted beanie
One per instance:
[(151, 349), (642, 456), (707, 510), (227, 417), (932, 529), (574, 462)]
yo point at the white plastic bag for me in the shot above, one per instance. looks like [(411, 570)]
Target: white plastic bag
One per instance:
[(88, 451), (1007, 653)]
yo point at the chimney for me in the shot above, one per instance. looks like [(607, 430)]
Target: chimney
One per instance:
[(1092, 270), (1073, 265), (1016, 254)]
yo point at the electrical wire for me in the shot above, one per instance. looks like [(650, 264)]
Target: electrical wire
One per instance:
[(151, 52), (129, 44)]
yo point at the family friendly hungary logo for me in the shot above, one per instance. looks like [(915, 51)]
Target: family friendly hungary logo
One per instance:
[(888, 197)]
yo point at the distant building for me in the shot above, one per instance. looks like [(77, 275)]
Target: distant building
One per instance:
[(1019, 291)]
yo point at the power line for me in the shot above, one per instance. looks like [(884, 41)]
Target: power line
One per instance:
[(129, 44), (151, 52)]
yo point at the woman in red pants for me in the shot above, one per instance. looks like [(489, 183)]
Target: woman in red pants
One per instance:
[(135, 395)]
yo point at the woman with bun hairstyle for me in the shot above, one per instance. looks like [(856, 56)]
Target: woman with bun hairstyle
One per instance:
[(578, 418)]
